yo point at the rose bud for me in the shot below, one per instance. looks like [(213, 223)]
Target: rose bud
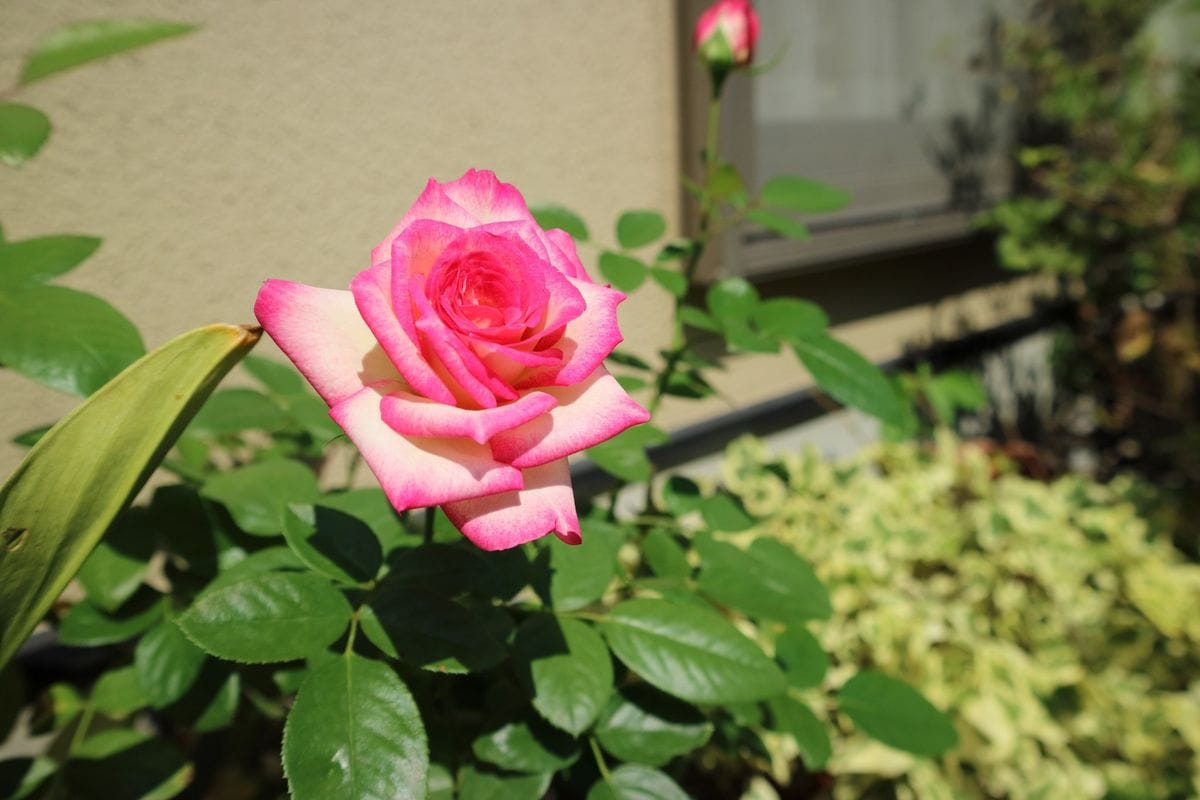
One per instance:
[(726, 34)]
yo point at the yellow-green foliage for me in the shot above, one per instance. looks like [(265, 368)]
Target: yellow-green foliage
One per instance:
[(1051, 620)]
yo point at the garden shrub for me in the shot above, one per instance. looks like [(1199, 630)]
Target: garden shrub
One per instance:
[(1055, 621)]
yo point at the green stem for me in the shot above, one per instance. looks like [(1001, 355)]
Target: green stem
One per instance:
[(703, 233), (600, 764), (353, 633)]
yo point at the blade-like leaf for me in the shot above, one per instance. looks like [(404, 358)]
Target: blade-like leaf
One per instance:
[(355, 734), (82, 42), (75, 480), (851, 379), (23, 131), (690, 653), (70, 341), (896, 714)]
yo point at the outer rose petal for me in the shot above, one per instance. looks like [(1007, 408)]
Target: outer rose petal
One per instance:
[(586, 341), (486, 198), (322, 332), (590, 412), (417, 472), (372, 294), (415, 416), (563, 255), (501, 521), (433, 204)]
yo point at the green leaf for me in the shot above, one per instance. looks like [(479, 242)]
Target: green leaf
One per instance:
[(21, 777), (790, 716), (803, 195), (769, 581), (566, 669), (126, 763), (579, 574), (896, 714), (167, 664), (30, 437), (527, 746), (480, 783), (639, 228), (788, 318), (70, 341), (664, 556), (552, 215), (731, 300), (81, 42), (276, 377), (700, 320), (212, 702), (645, 726), (268, 559), (236, 410), (723, 181), (87, 626), (276, 616), (803, 659), (741, 338), (851, 379), (430, 631), (628, 360), (674, 282), (636, 782), (690, 653), (332, 542), (371, 506), (23, 131), (681, 495), (624, 272), (35, 261), (114, 570), (355, 733), (256, 495), (631, 383), (724, 512), (118, 692), (624, 455), (779, 223)]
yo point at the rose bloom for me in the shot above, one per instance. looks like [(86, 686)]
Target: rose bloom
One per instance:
[(726, 33), (466, 361)]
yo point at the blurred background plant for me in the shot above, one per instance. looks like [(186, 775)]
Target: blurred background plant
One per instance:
[(1109, 203)]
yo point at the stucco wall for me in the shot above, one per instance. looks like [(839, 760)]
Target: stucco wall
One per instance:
[(284, 139)]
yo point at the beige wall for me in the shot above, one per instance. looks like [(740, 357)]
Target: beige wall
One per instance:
[(285, 138)]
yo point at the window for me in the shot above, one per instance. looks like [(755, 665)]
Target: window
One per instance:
[(895, 100)]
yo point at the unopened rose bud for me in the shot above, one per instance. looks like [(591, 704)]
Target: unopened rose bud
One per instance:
[(726, 34)]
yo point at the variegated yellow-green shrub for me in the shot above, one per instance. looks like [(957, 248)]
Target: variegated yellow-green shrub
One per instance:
[(1055, 623)]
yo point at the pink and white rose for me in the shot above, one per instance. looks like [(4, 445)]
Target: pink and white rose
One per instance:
[(466, 361), (727, 33)]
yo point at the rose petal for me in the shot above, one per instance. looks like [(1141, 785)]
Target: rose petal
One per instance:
[(462, 364), (324, 335), (372, 294), (500, 521), (592, 411), (416, 472), (560, 249), (415, 416), (486, 198), (434, 205), (586, 341)]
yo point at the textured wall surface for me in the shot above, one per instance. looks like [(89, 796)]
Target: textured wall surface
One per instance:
[(284, 139)]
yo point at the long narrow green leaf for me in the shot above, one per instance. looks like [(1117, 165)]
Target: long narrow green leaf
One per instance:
[(82, 42), (79, 476)]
